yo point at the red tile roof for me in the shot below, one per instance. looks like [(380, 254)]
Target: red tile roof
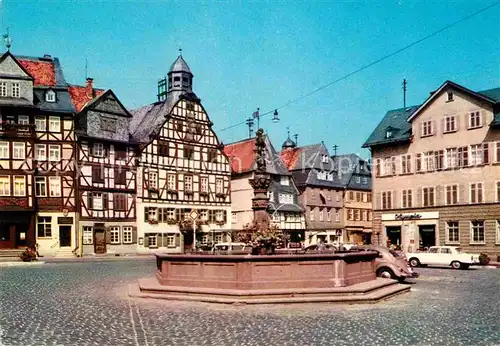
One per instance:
[(290, 157), (43, 72), (80, 97), (241, 155)]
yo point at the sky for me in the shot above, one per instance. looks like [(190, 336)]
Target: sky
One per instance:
[(264, 54)]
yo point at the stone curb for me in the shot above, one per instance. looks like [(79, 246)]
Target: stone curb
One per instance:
[(21, 264)]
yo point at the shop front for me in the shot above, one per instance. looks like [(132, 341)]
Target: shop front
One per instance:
[(17, 230), (410, 231)]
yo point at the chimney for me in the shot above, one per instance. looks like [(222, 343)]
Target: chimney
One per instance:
[(89, 88)]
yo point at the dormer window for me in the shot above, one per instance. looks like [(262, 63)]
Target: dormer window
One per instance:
[(450, 96), (50, 96), (285, 181), (324, 159), (16, 90), (388, 133)]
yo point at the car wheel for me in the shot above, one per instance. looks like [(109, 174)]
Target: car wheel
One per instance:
[(456, 265), (385, 273), (414, 262)]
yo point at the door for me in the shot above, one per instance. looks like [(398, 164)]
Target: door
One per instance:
[(99, 241), (64, 236), (393, 236), (427, 236), (21, 235)]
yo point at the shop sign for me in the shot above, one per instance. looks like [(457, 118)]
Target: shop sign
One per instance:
[(65, 220), (410, 216), (402, 217)]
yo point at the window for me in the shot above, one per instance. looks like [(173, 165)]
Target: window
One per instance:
[(40, 152), (321, 215), (44, 226), (337, 215), (219, 186), (233, 217), (212, 155), (4, 150), (498, 191), (463, 156), (311, 214), (427, 128), (54, 152), (449, 96), (41, 123), (429, 161), (387, 200), (476, 193), (16, 90), (204, 215), (351, 195), (188, 183), (218, 238), (40, 187), (4, 185), (3, 89), (152, 239), (358, 197), (405, 164), (114, 234), (389, 167), (451, 158), (219, 215), (369, 215), (329, 215), (120, 202), (324, 159), (497, 152), (479, 154), (452, 233), (439, 160), (356, 214), (23, 120), (451, 194), (428, 199), (171, 182), (477, 231), (270, 195), (406, 199), (350, 214), (188, 152), (285, 198), (87, 235), (120, 175), (19, 186), (150, 214), (50, 96), (97, 201), (285, 181), (365, 180), (369, 197), (18, 151), (54, 124), (170, 240), (108, 124), (475, 120), (498, 232), (97, 174), (54, 186), (152, 180), (450, 123)]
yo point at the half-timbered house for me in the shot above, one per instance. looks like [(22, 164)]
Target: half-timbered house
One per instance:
[(182, 168), (284, 206), (106, 172), (37, 192)]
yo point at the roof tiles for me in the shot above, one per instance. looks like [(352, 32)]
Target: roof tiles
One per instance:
[(43, 72), (80, 96)]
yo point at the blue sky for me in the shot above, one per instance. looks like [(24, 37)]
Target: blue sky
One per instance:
[(246, 55)]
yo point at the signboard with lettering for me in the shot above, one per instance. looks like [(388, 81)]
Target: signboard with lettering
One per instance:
[(410, 216), (65, 220)]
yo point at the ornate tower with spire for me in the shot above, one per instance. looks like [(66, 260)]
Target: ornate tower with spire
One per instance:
[(288, 143), (178, 82)]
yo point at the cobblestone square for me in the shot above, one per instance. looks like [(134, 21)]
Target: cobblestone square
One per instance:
[(86, 303)]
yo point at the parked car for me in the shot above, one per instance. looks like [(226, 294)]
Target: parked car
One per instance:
[(389, 264), (226, 247), (443, 256), (316, 248)]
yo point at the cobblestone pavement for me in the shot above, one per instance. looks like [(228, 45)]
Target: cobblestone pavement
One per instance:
[(87, 304)]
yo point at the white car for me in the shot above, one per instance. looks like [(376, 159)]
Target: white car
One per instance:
[(443, 256)]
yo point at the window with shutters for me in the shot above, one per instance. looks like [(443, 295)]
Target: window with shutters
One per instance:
[(386, 200), (405, 164), (171, 214), (476, 193), (115, 234), (218, 238), (127, 234), (171, 240), (120, 202), (452, 232), (406, 198), (150, 214), (475, 120), (477, 231), (428, 197), (44, 226), (40, 187), (120, 175), (97, 174), (451, 192), (55, 186), (427, 128), (152, 239), (87, 235), (450, 124)]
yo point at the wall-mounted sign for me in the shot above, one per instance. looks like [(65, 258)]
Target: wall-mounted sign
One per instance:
[(65, 220), (22, 236), (410, 216)]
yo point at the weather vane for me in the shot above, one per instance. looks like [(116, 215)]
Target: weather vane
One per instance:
[(180, 51), (7, 40)]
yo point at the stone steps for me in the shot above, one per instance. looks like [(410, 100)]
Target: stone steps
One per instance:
[(11, 252), (64, 253)]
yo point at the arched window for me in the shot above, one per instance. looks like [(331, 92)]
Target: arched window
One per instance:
[(50, 96)]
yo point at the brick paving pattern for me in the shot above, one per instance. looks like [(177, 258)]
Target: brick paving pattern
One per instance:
[(87, 304)]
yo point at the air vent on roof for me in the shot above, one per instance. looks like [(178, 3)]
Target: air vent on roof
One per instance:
[(47, 57)]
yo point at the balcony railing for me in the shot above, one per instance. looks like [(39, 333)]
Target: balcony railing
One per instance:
[(17, 130)]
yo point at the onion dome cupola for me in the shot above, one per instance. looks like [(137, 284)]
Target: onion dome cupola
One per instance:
[(288, 143), (179, 76)]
